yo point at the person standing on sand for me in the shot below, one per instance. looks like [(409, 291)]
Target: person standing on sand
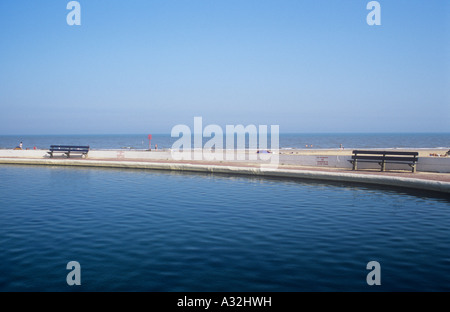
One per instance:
[(20, 145)]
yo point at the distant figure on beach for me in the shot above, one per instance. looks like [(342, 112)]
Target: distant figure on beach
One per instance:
[(341, 147), (20, 145), (156, 146)]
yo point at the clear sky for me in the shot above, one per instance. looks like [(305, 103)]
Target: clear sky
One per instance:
[(144, 66)]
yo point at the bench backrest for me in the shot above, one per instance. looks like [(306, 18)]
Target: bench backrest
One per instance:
[(70, 148), (391, 153), (385, 156)]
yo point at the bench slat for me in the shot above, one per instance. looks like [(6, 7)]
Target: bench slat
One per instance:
[(387, 158), (69, 149), (385, 152), (69, 146)]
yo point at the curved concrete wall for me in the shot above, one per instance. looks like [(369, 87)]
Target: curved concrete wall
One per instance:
[(389, 180)]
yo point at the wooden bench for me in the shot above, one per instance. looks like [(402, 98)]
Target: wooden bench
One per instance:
[(68, 149), (383, 157)]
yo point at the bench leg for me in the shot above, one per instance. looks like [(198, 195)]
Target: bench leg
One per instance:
[(355, 165), (414, 168), (383, 166)]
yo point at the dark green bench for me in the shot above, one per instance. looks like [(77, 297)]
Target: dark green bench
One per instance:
[(383, 157)]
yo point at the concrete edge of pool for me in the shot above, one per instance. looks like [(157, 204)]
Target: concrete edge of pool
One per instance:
[(387, 180)]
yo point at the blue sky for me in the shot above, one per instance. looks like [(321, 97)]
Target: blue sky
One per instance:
[(146, 66)]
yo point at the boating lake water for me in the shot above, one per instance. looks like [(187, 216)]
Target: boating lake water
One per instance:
[(142, 230)]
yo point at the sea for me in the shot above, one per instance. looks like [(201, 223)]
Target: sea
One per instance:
[(286, 141)]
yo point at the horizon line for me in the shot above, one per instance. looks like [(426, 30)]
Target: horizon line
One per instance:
[(286, 133)]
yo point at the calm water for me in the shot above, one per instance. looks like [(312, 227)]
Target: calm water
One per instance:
[(298, 141), (134, 230)]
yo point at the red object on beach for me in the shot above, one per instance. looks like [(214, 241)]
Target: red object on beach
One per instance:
[(149, 142)]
